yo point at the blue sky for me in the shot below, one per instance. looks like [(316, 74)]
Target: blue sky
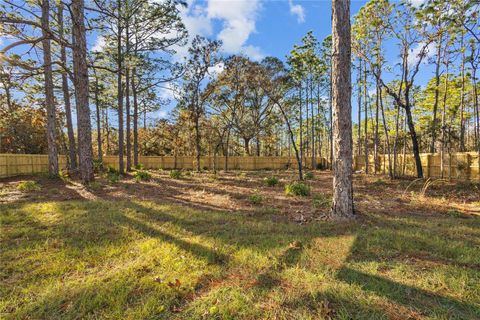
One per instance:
[(259, 28)]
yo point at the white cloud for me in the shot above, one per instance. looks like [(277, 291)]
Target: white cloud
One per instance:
[(255, 53), (217, 69), (163, 114), (414, 53), (237, 17), (297, 10), (416, 3), (99, 44)]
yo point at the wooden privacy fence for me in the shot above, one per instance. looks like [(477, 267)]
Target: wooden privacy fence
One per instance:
[(209, 162), (20, 164), (456, 166), (460, 165)]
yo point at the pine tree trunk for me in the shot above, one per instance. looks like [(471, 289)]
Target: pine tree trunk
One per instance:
[(375, 147), (444, 120), (314, 165), (80, 70), (121, 168), (227, 145), (462, 97), (72, 149), (365, 105), (127, 120), (197, 142), (330, 135), (300, 164), (49, 95), (135, 118), (435, 103), (359, 138), (385, 128), (99, 128), (342, 206)]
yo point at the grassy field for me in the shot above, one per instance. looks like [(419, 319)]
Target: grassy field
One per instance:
[(122, 251)]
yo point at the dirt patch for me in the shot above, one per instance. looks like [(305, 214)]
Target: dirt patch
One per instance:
[(233, 191)]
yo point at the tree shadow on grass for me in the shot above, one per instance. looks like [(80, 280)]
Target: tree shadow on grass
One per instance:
[(425, 302), (381, 239)]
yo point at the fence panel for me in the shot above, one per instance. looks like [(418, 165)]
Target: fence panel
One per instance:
[(460, 165), (455, 166)]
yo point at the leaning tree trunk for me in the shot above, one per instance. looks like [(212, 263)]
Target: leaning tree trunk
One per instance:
[(49, 97), (80, 70), (415, 147), (342, 206), (72, 149)]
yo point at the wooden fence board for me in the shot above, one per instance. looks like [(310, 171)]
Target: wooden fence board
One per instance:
[(458, 166)]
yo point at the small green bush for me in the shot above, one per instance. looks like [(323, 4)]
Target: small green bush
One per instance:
[(308, 175), (297, 189), (28, 186), (97, 165), (271, 181), (255, 198), (139, 166), (111, 169), (113, 177), (142, 176), (176, 174)]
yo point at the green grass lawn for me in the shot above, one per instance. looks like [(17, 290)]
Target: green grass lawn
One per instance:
[(143, 260)]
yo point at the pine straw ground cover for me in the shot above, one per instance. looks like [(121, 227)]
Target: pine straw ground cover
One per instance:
[(199, 248)]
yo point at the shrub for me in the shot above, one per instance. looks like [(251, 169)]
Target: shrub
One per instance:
[(139, 167), (308, 175), (113, 177), (111, 169), (297, 189), (176, 174), (321, 200), (462, 166), (255, 198), (271, 181), (28, 186), (97, 165), (64, 174), (142, 176)]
